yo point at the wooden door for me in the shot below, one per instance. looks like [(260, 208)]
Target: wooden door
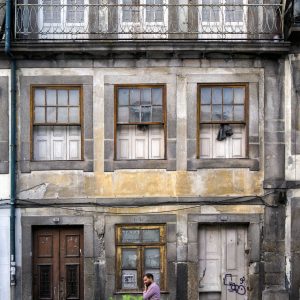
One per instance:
[(58, 263), (223, 262)]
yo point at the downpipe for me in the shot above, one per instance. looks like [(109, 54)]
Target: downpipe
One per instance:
[(12, 150)]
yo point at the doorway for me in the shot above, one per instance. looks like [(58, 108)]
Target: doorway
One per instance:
[(58, 263)]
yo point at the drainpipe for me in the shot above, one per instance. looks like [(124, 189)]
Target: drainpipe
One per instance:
[(12, 161)]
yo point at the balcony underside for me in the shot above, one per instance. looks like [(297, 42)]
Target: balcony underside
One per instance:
[(163, 49)]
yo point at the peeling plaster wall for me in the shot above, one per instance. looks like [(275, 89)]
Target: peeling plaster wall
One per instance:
[(133, 186), (147, 183)]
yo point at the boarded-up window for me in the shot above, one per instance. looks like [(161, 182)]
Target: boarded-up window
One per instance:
[(219, 106), (56, 123), (140, 250), (140, 122)]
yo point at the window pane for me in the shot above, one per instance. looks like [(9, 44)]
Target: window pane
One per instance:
[(39, 97), (146, 113), (157, 96), (74, 97), (51, 97), (39, 115), (62, 115), (155, 273), (228, 95), (129, 259), (134, 97), (62, 97), (157, 114), (123, 97), (151, 235), (123, 114), (205, 96), (152, 258), (129, 279), (239, 112), (217, 95), (131, 236), (51, 114), (239, 95), (74, 115), (75, 11), (216, 112), (146, 96), (134, 114), (227, 112), (205, 114)]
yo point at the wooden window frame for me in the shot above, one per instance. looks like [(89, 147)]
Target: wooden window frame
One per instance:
[(164, 116), (244, 122), (140, 247), (32, 123)]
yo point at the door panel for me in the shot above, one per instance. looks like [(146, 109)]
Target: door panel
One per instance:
[(57, 263), (222, 262)]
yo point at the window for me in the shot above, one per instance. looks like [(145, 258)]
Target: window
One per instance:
[(59, 17), (56, 122), (223, 18), (140, 122), (148, 18), (222, 121), (140, 250)]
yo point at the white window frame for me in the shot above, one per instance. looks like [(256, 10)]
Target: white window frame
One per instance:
[(142, 26), (215, 26), (63, 29)]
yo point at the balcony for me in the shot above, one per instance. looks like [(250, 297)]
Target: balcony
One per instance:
[(156, 20)]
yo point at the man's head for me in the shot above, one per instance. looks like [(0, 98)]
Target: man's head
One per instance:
[(148, 279)]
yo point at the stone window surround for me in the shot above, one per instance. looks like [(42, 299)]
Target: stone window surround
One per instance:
[(169, 163), (255, 84), (254, 223), (26, 165), (27, 226), (110, 246), (4, 126)]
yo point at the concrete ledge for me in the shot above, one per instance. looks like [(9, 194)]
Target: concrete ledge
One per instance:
[(252, 164), (107, 47), (110, 166), (86, 166)]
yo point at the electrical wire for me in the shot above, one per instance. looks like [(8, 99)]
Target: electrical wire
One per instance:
[(216, 202)]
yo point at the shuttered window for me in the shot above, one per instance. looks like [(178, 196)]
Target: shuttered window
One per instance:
[(56, 122), (140, 122), (140, 250), (222, 109)]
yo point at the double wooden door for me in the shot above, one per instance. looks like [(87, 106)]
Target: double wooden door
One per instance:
[(57, 263)]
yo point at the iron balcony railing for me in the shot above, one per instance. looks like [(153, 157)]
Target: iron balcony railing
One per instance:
[(148, 19)]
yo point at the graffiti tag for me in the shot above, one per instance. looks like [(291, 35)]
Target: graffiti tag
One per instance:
[(233, 287)]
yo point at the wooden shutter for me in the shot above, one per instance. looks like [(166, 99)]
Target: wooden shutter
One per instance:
[(232, 147), (123, 142), (156, 142), (74, 143), (58, 142), (139, 141), (41, 143)]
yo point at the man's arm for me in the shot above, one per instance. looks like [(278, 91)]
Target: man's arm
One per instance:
[(148, 293)]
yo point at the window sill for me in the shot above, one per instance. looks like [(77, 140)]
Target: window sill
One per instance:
[(110, 166), (217, 163), (28, 166)]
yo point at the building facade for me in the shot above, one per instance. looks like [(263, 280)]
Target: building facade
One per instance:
[(153, 136)]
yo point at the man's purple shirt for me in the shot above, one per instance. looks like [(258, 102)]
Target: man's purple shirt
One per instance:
[(153, 292)]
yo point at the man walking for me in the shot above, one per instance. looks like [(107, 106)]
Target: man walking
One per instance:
[(151, 291)]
